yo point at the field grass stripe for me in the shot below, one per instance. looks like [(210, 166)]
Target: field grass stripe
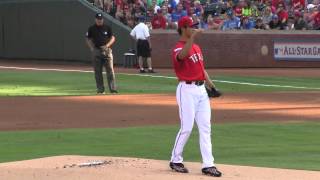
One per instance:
[(147, 75), (231, 82), (158, 76), (43, 69), (267, 85)]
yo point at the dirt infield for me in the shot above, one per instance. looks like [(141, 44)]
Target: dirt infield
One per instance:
[(141, 110), (28, 113)]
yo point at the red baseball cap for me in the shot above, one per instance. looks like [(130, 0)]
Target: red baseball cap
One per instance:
[(186, 21)]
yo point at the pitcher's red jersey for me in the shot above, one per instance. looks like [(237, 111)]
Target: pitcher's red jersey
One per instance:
[(190, 68)]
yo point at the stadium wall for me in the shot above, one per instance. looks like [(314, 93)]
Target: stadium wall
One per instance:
[(53, 30), (235, 49)]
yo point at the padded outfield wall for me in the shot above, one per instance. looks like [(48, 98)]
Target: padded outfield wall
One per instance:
[(53, 30), (244, 49)]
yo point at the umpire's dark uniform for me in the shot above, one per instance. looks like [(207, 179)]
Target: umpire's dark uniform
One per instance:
[(100, 39)]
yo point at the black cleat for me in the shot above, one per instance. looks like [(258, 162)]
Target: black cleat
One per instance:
[(211, 171), (151, 71), (142, 71), (178, 167), (114, 91), (101, 93)]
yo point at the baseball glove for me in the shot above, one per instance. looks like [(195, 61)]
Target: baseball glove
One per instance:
[(213, 92)]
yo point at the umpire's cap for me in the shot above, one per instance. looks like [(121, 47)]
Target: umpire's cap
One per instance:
[(99, 16)]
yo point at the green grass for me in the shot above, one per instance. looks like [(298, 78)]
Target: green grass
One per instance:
[(293, 146), (281, 81), (35, 83), (48, 83)]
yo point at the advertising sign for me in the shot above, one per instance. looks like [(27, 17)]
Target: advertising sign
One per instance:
[(297, 50)]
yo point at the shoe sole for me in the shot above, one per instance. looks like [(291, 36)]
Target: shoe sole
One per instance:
[(175, 170), (180, 171), (209, 174)]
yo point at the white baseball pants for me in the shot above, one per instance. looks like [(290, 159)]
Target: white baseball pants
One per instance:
[(194, 105)]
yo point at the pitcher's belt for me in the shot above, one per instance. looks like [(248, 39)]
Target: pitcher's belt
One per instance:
[(198, 83)]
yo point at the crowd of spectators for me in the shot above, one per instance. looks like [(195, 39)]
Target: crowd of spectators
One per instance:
[(218, 14)]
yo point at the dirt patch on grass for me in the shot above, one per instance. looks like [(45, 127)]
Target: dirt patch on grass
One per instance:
[(71, 168)]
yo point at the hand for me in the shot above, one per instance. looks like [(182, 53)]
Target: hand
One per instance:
[(104, 48)]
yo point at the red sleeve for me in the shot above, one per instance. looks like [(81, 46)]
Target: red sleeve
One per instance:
[(275, 3), (152, 23), (163, 23), (303, 3), (118, 2), (175, 53), (286, 15)]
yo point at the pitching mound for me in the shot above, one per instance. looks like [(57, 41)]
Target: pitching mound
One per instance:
[(94, 168)]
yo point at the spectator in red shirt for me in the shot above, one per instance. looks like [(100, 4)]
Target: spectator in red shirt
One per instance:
[(214, 22), (238, 9), (118, 2), (158, 21), (298, 5), (316, 19), (122, 5), (283, 16), (268, 3), (310, 14), (275, 3)]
